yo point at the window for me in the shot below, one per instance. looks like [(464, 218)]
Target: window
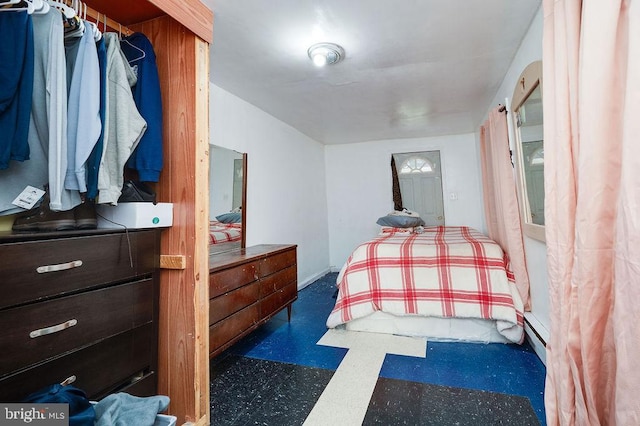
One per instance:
[(416, 165)]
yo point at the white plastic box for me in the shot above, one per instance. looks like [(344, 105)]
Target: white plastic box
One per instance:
[(135, 215), (165, 420)]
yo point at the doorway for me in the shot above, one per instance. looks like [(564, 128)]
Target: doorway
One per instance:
[(420, 178)]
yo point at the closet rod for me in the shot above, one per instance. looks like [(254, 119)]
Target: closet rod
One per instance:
[(100, 19), (115, 26)]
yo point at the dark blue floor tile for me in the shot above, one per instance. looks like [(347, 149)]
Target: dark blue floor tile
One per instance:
[(505, 369), (246, 391), (508, 369), (398, 402)]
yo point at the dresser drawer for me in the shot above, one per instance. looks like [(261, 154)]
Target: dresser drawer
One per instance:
[(32, 270), (277, 262), (233, 326), (142, 386), (38, 331), (98, 369), (222, 306), (232, 278), (278, 280), (278, 300)]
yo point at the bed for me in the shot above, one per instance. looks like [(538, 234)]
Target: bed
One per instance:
[(443, 283), (220, 233)]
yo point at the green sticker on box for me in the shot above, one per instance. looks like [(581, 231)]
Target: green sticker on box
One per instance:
[(156, 220)]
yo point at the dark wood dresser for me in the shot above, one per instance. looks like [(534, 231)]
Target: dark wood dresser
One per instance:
[(246, 288), (79, 307)]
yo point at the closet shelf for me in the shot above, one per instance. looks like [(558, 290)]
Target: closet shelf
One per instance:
[(194, 15)]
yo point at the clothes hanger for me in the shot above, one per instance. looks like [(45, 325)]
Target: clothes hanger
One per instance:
[(41, 7), (75, 26), (66, 10), (91, 25), (124, 40), (97, 35), (21, 5)]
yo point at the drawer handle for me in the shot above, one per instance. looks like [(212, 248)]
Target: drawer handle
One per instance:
[(53, 328), (59, 267), (68, 380)]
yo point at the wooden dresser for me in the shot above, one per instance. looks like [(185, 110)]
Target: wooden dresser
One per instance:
[(246, 288), (80, 307)]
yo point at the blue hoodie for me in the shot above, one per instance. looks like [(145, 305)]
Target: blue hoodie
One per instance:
[(16, 85), (147, 157)]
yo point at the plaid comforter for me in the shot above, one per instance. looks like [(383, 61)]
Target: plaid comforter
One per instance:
[(224, 232), (443, 272)]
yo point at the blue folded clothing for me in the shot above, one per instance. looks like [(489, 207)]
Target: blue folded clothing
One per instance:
[(122, 409), (80, 409)]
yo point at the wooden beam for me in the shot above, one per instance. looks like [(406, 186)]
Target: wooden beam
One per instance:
[(193, 14), (183, 354), (176, 261)]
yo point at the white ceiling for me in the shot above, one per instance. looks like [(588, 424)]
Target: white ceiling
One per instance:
[(412, 68)]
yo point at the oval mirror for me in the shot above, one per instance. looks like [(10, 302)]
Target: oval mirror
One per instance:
[(528, 128)]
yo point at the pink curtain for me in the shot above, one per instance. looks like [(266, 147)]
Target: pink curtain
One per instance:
[(591, 92), (500, 200)]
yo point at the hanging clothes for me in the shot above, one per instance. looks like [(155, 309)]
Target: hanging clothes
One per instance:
[(54, 95), (147, 157), (47, 133), (16, 85), (83, 112), (93, 162), (83, 122), (124, 126)]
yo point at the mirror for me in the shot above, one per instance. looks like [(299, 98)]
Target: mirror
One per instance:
[(528, 128), (227, 199)]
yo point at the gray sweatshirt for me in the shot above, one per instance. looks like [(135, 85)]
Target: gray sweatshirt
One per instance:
[(124, 126)]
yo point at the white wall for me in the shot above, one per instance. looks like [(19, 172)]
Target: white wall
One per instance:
[(359, 187), (536, 251), (286, 192)]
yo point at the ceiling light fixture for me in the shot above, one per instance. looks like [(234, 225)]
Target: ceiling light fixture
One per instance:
[(325, 54)]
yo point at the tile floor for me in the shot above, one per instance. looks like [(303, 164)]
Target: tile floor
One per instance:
[(277, 376)]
